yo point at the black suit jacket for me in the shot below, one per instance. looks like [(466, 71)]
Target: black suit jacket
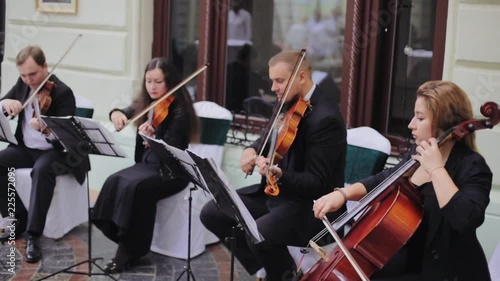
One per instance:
[(313, 166), (445, 246), (315, 162), (63, 104)]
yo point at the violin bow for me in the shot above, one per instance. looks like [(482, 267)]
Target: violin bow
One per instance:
[(282, 102), (156, 102), (32, 97), (344, 249)]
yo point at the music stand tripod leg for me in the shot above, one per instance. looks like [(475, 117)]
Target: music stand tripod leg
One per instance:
[(187, 268), (232, 242), (90, 261)]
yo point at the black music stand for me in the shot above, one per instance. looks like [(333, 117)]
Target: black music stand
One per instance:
[(6, 134), (184, 168), (80, 137), (212, 180), (228, 201)]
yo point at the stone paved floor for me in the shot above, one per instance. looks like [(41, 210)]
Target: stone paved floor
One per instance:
[(212, 265)]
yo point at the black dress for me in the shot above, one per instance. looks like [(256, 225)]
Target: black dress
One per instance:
[(125, 210)]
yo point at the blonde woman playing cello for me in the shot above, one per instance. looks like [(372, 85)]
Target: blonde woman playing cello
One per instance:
[(455, 183)]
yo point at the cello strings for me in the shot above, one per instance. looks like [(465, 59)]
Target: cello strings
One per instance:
[(386, 183), (367, 198)]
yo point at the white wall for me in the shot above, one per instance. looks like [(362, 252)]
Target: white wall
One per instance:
[(106, 63), (472, 60)]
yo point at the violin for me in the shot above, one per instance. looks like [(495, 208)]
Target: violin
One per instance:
[(44, 98), (158, 114), (392, 211), (287, 130), (43, 103)]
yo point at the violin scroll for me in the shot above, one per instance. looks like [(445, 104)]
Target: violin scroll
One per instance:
[(272, 188)]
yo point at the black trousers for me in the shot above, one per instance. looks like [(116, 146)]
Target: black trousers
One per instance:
[(280, 222), (46, 164)]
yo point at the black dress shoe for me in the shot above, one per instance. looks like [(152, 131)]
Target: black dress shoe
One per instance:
[(115, 266), (33, 251)]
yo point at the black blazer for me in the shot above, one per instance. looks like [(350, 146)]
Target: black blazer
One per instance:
[(445, 246), (315, 162), (313, 166), (63, 104)]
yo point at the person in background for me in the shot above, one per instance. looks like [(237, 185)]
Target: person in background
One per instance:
[(455, 183), (239, 22)]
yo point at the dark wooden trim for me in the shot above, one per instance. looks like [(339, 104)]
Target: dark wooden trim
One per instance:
[(439, 39), (387, 55), (349, 69), (161, 28), (359, 73), (212, 50)]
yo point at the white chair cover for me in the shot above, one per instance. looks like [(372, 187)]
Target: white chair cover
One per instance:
[(172, 216), (368, 138), (69, 206)]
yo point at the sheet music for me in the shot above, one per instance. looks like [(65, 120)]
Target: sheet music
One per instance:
[(182, 156), (5, 130), (247, 217), (73, 131), (206, 170), (101, 137)]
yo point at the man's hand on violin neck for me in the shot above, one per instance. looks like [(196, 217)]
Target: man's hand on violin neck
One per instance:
[(262, 163), (12, 107)]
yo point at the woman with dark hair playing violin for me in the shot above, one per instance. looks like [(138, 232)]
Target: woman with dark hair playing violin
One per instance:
[(126, 207), (311, 167), (33, 149), (455, 183)]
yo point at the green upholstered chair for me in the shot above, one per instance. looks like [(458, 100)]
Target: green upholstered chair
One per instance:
[(171, 225)]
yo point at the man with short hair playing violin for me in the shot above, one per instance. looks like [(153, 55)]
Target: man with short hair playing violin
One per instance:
[(33, 149), (312, 166)]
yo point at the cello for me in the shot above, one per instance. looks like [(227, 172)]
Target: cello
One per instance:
[(391, 212)]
